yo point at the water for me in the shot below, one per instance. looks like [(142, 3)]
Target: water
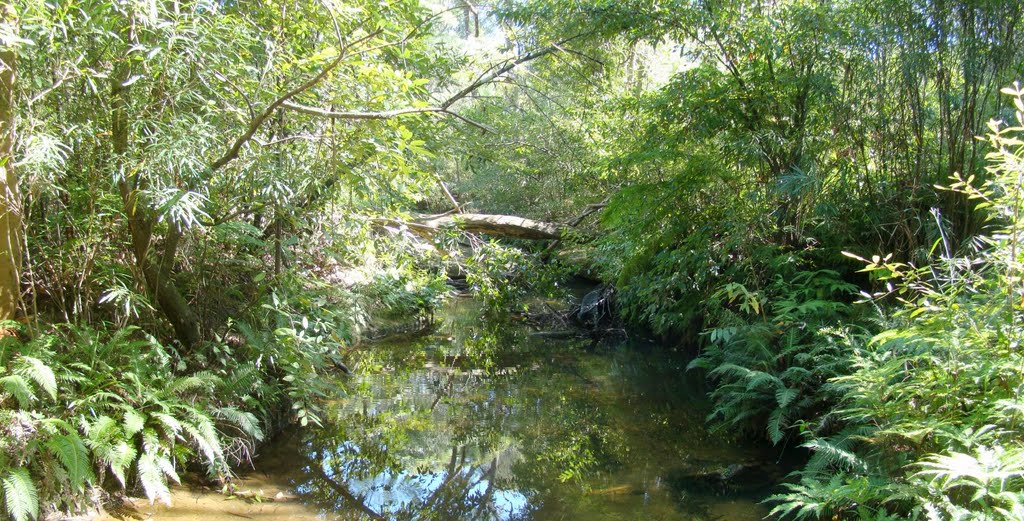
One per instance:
[(481, 420)]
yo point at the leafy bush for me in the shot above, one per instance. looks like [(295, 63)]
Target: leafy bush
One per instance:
[(503, 276), (405, 291)]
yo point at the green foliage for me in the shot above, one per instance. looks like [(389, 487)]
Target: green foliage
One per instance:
[(931, 404), (814, 499), (120, 411), (405, 291), (180, 168), (504, 276), (772, 350)]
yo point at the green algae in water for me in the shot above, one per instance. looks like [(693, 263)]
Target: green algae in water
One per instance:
[(481, 420)]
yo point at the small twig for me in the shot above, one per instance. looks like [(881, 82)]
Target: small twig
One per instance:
[(66, 75)]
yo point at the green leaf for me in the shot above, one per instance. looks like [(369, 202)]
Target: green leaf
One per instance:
[(244, 420), (151, 475), (18, 387), (133, 423), (785, 395)]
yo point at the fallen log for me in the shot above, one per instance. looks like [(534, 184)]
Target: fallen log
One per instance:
[(509, 226), (498, 225)]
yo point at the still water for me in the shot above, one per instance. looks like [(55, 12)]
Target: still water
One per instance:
[(480, 419)]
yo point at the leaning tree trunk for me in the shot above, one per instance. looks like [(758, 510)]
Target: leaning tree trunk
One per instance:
[(10, 199), (156, 274)]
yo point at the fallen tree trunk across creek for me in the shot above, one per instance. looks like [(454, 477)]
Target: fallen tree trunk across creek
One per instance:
[(509, 226)]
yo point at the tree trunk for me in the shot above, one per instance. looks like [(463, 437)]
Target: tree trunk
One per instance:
[(157, 276), (10, 199)]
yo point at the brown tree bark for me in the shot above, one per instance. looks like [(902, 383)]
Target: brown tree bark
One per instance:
[(10, 198)]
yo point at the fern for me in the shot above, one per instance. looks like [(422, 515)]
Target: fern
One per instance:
[(785, 396), (110, 447), (39, 373), (171, 424), (133, 423), (153, 478), (992, 476), (202, 381), (20, 495), (833, 454), (813, 498), (16, 385), (70, 450), (245, 421), (28, 369), (203, 433), (776, 425)]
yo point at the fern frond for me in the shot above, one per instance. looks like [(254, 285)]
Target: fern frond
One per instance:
[(109, 446), (203, 380), (171, 424), (246, 421), (73, 455), (20, 495), (38, 372), (16, 386), (834, 454), (151, 476), (133, 422), (775, 425), (785, 396), (203, 433), (119, 459)]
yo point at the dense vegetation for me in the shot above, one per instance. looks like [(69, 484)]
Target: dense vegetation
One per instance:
[(804, 199), (205, 204)]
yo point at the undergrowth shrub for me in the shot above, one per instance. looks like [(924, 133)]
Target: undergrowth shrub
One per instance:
[(770, 350), (406, 292), (504, 276), (929, 420)]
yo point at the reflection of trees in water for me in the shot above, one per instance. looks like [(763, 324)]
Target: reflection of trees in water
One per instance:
[(462, 490), (484, 428)]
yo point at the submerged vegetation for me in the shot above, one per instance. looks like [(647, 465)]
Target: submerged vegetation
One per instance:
[(208, 205)]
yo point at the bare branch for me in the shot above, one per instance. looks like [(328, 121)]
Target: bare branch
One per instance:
[(385, 114), (488, 76), (258, 121)]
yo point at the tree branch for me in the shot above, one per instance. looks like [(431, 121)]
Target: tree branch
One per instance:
[(385, 114), (488, 76), (258, 121)]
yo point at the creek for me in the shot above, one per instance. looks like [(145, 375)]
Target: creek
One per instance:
[(479, 419)]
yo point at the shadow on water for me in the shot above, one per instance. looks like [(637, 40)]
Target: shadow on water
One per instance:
[(479, 420)]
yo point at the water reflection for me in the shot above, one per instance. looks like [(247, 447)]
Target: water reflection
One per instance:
[(480, 420)]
